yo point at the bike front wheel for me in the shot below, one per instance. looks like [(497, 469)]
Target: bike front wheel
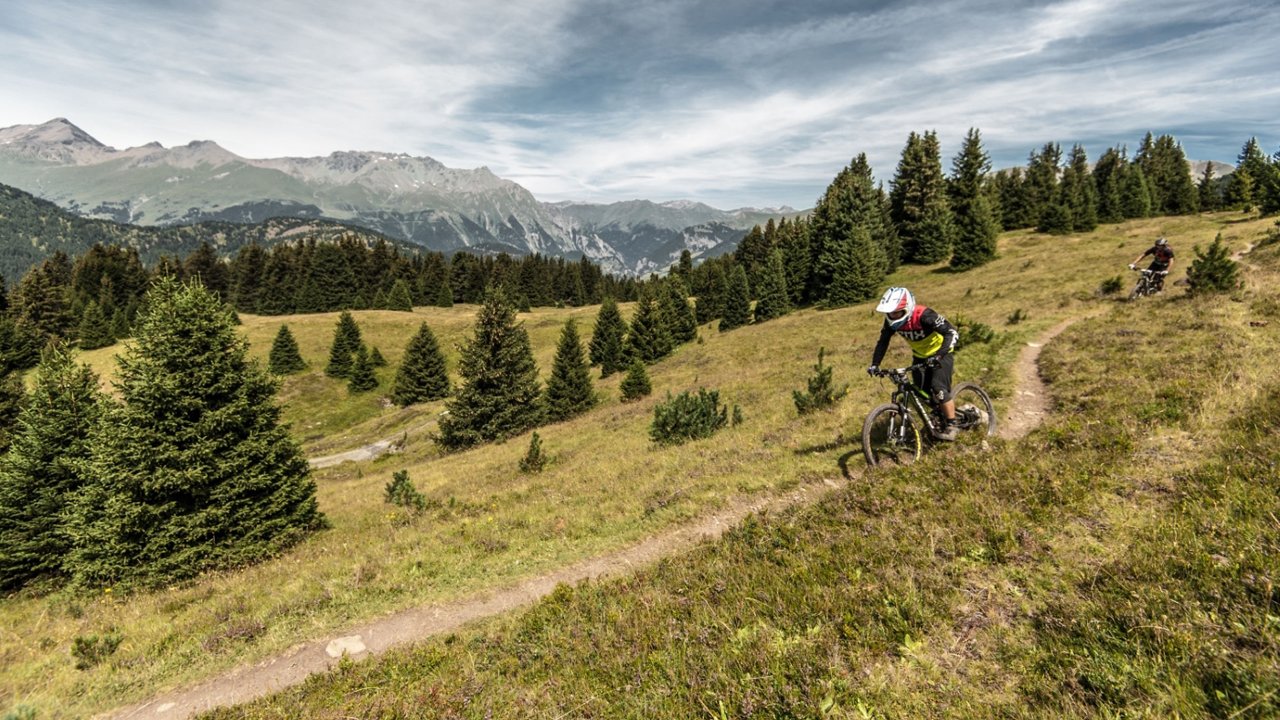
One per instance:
[(975, 415), (890, 438)]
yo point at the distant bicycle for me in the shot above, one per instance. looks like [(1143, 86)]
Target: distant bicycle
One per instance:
[(895, 433), (1151, 282)]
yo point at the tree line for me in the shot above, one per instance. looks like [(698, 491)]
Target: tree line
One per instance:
[(858, 232), (94, 299)]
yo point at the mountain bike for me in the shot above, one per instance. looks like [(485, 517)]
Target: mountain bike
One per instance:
[(895, 433), (1149, 284)]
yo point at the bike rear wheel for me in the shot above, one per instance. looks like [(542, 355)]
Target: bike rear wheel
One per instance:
[(890, 438), (975, 415)]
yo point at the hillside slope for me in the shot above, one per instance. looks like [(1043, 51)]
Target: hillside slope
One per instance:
[(609, 488)]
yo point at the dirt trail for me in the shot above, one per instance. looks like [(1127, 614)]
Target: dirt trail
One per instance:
[(374, 637)]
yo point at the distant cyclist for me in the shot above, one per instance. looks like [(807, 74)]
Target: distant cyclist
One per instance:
[(1161, 258), (932, 341)]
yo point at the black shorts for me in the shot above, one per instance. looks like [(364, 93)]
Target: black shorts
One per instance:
[(936, 380)]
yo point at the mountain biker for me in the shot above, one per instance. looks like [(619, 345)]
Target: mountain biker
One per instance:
[(1161, 258), (932, 341)]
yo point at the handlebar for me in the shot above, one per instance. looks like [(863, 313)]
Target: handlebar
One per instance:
[(1149, 271), (902, 370)]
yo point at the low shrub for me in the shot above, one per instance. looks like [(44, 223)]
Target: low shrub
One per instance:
[(91, 650), (690, 417), (400, 491), (534, 460), (822, 392)]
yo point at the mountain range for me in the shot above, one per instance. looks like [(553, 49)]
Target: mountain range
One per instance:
[(415, 199)]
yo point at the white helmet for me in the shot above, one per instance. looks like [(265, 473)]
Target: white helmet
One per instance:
[(1161, 242), (898, 304)]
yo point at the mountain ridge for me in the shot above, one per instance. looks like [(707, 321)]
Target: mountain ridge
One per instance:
[(416, 199)]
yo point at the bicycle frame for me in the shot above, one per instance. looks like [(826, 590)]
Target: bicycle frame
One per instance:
[(908, 390)]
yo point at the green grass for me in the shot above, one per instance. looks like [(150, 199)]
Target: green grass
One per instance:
[(751, 622)]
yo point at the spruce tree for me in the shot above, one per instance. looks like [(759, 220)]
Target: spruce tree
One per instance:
[(773, 300), (422, 375), (975, 223), (500, 394), (399, 297), (120, 323), (569, 390), (677, 314), (363, 378), (1135, 194), (45, 467), (737, 301), (648, 339), (346, 341), (376, 359), (918, 198), (1078, 192), (608, 349), (850, 204), (1210, 201), (1107, 175), (793, 241), (95, 330), (285, 359), (711, 296), (635, 384), (192, 471), (1040, 187), (1213, 270)]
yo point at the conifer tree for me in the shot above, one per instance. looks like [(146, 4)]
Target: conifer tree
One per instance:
[(285, 359), (753, 253), (444, 292), (1208, 190), (1078, 192), (773, 300), (1107, 176), (422, 375), (1168, 176), (677, 314), (1240, 190), (346, 341), (120, 324), (1135, 194), (850, 203), (919, 203), (399, 297), (608, 349), (12, 395), (569, 391), (1015, 209), (975, 223), (793, 241), (192, 470), (711, 296), (362, 378), (534, 460), (45, 467), (648, 338), (376, 359), (737, 301), (635, 384), (1251, 166), (379, 302), (95, 331), (1213, 270), (500, 393)]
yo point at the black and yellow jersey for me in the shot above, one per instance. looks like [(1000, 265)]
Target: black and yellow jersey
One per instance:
[(926, 331)]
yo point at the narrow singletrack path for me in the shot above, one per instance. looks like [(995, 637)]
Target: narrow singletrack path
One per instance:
[(250, 682)]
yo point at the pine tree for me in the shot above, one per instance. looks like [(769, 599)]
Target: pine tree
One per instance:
[(678, 316), (850, 233), (648, 338), (773, 300), (362, 378), (45, 467), (569, 391), (711, 296), (534, 460), (346, 341), (285, 359), (737, 301), (95, 331), (1208, 190), (12, 394), (975, 224), (822, 392), (120, 324), (1078, 192), (1015, 208), (635, 384), (1213, 270), (193, 470), (399, 297), (919, 203), (376, 359), (1168, 176), (1107, 176), (608, 349), (1135, 194), (423, 375), (1240, 191), (793, 241), (500, 395)]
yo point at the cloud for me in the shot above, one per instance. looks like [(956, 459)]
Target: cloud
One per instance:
[(734, 101)]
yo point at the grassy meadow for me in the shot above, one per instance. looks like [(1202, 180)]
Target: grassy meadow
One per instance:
[(964, 582)]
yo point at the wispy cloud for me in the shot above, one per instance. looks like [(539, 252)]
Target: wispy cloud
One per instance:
[(726, 101)]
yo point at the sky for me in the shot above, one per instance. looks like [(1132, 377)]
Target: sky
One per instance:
[(727, 102)]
